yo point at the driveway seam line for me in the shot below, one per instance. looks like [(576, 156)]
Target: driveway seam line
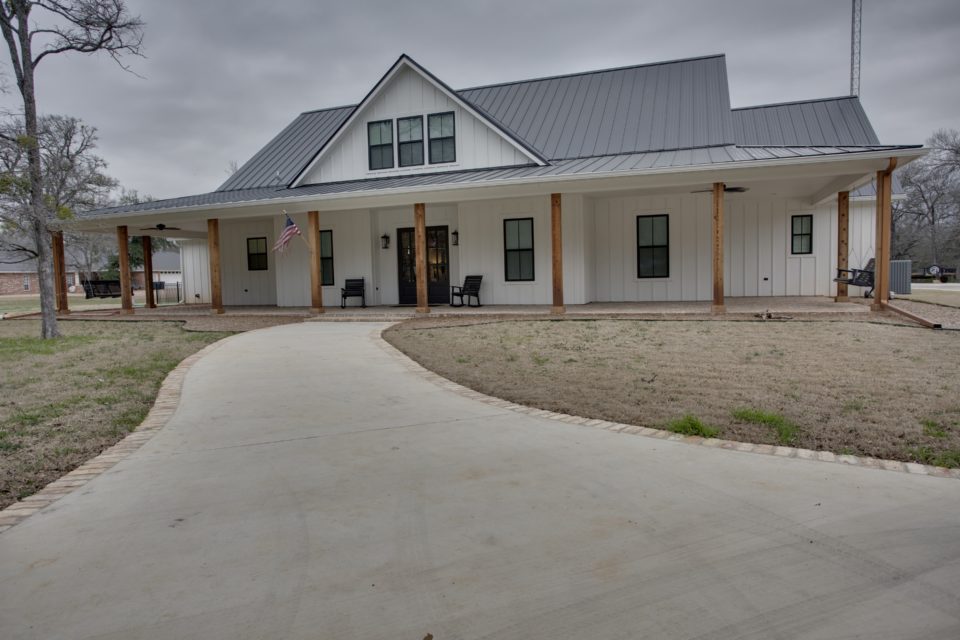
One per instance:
[(866, 462), (164, 407)]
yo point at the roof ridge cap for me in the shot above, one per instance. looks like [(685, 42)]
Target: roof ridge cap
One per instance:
[(790, 102)]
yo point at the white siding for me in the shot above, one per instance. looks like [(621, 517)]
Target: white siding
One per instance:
[(409, 94), (757, 259), (195, 261), (351, 258), (481, 249), (240, 285)]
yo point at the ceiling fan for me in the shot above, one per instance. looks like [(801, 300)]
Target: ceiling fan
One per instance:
[(725, 189), (160, 227)]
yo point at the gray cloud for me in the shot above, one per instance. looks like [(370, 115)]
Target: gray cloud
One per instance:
[(222, 77)]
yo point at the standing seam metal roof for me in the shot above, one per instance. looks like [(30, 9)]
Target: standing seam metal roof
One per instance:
[(664, 105), (830, 121)]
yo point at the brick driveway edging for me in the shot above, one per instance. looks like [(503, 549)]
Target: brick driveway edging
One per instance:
[(619, 427), (165, 405)]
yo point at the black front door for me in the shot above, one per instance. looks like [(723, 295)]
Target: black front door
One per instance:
[(438, 265)]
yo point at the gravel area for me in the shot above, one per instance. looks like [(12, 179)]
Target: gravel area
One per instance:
[(948, 317)]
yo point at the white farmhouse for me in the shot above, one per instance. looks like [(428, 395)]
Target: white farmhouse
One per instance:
[(632, 184)]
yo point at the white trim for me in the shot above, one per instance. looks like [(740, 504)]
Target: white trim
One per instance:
[(405, 62)]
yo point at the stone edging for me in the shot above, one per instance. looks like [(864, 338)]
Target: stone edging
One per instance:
[(617, 427), (165, 405)]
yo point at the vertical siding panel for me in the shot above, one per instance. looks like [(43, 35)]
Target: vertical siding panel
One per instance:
[(751, 246), (704, 249), (765, 249), (779, 244)]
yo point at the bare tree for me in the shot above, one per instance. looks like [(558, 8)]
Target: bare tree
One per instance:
[(927, 220), (34, 30)]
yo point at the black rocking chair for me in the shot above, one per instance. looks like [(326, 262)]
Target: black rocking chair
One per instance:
[(858, 277), (470, 289)]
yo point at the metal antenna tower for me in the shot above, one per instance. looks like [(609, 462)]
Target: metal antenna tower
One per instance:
[(855, 47)]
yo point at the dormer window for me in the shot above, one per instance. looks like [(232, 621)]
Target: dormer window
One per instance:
[(380, 140), (443, 141), (410, 141)]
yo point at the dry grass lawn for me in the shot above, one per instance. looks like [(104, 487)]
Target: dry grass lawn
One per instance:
[(855, 387), (64, 401), (946, 297)]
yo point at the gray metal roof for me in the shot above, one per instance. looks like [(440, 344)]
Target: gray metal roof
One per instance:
[(665, 105), (283, 157), (831, 121), (607, 165)]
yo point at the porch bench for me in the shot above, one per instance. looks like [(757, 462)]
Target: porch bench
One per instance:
[(102, 289), (353, 288), (858, 277), (470, 289)]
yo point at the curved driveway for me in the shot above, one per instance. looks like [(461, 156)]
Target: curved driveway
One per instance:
[(312, 486)]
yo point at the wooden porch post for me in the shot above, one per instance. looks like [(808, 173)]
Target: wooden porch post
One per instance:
[(556, 229), (881, 291), (843, 241), (420, 249), (718, 302), (316, 281), (60, 273), (213, 248), (126, 293), (148, 271)]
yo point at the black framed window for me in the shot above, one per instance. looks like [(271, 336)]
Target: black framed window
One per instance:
[(518, 249), (443, 139), (653, 246), (380, 141), (326, 258), (801, 234), (410, 141), (256, 254)]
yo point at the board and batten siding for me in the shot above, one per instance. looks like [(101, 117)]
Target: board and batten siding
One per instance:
[(195, 262), (408, 94), (242, 287), (757, 258), (351, 257)]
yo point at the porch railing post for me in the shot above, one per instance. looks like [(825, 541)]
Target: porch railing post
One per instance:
[(843, 241), (420, 251), (718, 301), (316, 281), (881, 280), (556, 231), (60, 273), (213, 248), (123, 251), (148, 271)]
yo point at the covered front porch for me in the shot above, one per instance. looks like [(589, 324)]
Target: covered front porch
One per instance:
[(724, 246)]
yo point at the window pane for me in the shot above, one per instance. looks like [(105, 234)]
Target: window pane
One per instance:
[(644, 232), (374, 133), (434, 126), (807, 224), (797, 245), (405, 160), (511, 230), (416, 129), (526, 265), (805, 244), (326, 272), (416, 152), (513, 265), (525, 235), (403, 130), (797, 225), (660, 230), (661, 265), (446, 124), (644, 262), (386, 132), (326, 244), (449, 150)]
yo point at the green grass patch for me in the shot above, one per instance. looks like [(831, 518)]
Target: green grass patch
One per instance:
[(786, 430), (16, 348), (949, 458), (933, 428), (690, 425)]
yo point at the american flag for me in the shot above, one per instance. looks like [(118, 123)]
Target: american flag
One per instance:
[(290, 229)]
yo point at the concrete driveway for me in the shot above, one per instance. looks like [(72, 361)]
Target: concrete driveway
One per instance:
[(311, 486)]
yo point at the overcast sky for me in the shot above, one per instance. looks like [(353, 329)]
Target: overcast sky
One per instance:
[(222, 77)]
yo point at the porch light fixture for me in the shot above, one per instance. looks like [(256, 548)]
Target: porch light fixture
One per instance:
[(455, 238), (385, 241)]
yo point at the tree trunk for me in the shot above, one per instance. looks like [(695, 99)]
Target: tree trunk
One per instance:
[(48, 311)]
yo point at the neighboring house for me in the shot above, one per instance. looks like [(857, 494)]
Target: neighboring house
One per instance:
[(166, 269), (596, 186), (20, 277)]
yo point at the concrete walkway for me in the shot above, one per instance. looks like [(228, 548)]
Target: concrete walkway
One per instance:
[(311, 486)]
